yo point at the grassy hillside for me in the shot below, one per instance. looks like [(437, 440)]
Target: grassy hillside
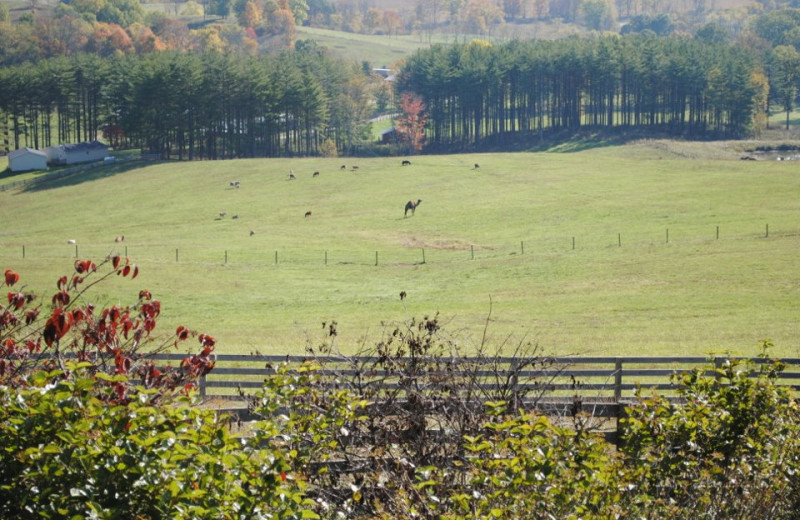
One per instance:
[(647, 274)]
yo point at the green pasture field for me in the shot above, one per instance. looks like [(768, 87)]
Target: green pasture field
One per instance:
[(606, 251), (378, 50)]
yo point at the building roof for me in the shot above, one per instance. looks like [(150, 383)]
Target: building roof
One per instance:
[(24, 151), (82, 147)]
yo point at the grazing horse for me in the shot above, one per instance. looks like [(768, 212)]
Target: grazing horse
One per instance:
[(291, 175), (411, 206), (344, 167), (315, 174), (119, 238), (406, 163), (308, 213), (477, 166)]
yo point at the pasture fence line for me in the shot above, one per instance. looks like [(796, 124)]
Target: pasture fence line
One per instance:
[(281, 256), (557, 386)]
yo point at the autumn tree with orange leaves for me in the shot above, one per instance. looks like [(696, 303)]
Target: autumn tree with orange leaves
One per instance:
[(410, 125)]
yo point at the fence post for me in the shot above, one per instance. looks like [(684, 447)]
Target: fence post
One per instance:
[(521, 247), (76, 250), (202, 386), (376, 258), (617, 380), (472, 251), (717, 232), (326, 258), (766, 235), (423, 255), (126, 251), (515, 384), (176, 254), (618, 397), (23, 251), (226, 256), (667, 235), (619, 239), (573, 243), (276, 257), (718, 364)]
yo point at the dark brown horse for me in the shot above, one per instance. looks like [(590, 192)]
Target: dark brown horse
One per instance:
[(411, 206)]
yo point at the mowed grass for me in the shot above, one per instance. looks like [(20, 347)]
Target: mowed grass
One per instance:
[(647, 274)]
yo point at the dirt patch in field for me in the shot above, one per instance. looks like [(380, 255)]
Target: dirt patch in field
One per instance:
[(443, 244)]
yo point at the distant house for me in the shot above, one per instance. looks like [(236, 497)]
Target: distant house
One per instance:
[(76, 153), (389, 135), (27, 159), (387, 74)]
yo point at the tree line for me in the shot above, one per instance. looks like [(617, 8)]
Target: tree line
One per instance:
[(192, 106), (479, 94), (476, 95)]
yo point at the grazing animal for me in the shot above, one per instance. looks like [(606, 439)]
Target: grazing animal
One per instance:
[(315, 174), (477, 166), (344, 167), (308, 213), (411, 206), (234, 184), (291, 175), (235, 216), (406, 163), (252, 232), (402, 295), (71, 241), (223, 214), (120, 238), (355, 167)]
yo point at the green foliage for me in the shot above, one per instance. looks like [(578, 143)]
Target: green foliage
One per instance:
[(729, 443), (68, 452), (326, 445), (525, 463)]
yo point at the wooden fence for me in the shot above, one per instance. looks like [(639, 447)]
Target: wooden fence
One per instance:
[(601, 386)]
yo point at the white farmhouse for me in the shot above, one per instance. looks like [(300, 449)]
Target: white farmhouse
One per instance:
[(27, 159), (76, 153)]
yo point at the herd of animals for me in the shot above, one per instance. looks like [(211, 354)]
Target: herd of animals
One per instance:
[(411, 205)]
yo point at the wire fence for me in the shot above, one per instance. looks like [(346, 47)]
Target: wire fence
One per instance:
[(261, 254)]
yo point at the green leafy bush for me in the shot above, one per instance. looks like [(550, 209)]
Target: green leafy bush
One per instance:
[(727, 447), (69, 453)]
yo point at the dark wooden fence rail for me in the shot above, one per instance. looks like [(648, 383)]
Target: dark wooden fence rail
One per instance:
[(598, 385)]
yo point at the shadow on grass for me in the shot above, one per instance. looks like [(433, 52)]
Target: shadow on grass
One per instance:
[(75, 176), (570, 140)]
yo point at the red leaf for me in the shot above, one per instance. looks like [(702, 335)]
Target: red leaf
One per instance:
[(57, 326), (61, 298), (145, 295), (62, 282), (31, 315), (11, 277), (76, 280), (115, 261), (135, 271), (8, 347), (207, 340), (182, 333), (126, 270), (16, 300)]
